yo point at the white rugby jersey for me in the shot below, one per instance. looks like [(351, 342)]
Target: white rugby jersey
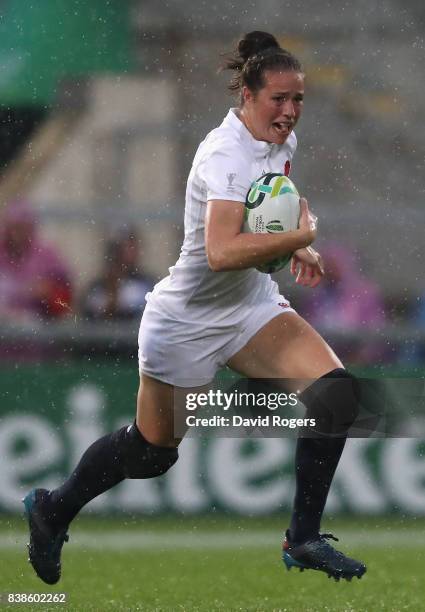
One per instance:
[(225, 165)]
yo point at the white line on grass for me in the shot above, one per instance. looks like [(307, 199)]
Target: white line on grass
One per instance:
[(168, 540)]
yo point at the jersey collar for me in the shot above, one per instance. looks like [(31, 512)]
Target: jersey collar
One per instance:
[(259, 147)]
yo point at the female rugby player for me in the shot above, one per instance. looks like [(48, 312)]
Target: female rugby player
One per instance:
[(214, 309)]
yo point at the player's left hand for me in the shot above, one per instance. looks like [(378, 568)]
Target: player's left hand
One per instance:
[(307, 267)]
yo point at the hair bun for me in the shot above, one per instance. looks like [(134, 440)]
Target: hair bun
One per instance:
[(266, 54), (255, 42)]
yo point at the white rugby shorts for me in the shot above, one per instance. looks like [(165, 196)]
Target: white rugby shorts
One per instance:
[(185, 353)]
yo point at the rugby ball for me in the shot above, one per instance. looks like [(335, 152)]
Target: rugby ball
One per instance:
[(272, 206)]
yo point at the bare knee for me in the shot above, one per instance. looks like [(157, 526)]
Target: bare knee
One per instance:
[(155, 412), (157, 435)]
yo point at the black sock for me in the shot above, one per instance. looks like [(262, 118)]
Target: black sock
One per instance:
[(315, 464), (122, 454), (334, 405)]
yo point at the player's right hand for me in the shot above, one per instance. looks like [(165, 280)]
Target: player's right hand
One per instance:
[(307, 223)]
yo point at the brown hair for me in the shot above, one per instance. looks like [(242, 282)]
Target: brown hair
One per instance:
[(255, 53)]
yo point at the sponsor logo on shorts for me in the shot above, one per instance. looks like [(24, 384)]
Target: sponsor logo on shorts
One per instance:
[(283, 304)]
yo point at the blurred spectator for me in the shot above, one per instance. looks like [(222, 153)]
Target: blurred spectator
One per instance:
[(119, 292), (34, 281), (412, 350), (346, 301)]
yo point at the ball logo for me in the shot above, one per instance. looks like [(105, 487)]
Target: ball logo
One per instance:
[(273, 184), (274, 226)]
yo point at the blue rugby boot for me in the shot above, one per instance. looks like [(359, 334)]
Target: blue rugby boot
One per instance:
[(45, 545), (318, 554)]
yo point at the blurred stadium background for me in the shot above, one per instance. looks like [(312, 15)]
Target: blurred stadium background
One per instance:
[(102, 107)]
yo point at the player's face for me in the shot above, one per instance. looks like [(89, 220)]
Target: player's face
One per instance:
[(271, 113)]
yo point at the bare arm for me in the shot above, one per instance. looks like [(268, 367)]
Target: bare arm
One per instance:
[(229, 249)]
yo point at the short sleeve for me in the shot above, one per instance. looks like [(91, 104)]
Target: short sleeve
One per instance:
[(227, 176)]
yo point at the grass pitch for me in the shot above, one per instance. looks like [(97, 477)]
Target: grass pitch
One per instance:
[(218, 564)]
